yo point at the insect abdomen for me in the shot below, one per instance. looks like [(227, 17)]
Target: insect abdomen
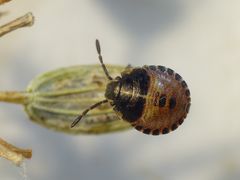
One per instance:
[(167, 102)]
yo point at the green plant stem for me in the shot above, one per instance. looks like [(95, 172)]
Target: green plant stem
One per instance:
[(16, 97)]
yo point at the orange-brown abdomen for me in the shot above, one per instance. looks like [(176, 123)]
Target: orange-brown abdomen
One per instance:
[(167, 102)]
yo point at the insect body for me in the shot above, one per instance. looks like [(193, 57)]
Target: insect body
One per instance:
[(154, 99)]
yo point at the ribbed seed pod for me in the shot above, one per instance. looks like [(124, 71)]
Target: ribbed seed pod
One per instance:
[(55, 98)]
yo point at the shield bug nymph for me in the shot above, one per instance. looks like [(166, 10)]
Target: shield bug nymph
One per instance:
[(154, 99)]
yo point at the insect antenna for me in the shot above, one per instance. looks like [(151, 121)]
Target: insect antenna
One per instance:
[(86, 111), (101, 60)]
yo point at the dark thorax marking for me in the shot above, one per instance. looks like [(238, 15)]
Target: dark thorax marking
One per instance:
[(134, 88)]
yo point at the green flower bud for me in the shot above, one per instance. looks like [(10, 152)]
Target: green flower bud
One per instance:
[(54, 99)]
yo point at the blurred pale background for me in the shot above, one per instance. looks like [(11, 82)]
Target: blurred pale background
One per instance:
[(198, 39)]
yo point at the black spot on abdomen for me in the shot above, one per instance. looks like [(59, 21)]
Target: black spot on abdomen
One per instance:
[(162, 100), (172, 103)]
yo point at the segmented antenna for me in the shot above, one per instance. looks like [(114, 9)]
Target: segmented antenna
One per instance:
[(101, 60), (86, 111), (101, 102)]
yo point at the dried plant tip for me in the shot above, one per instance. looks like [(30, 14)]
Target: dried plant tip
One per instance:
[(4, 1), (24, 21), (12, 153)]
